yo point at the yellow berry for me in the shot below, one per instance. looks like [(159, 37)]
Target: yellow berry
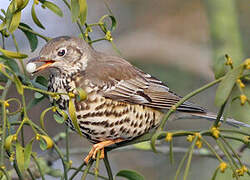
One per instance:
[(198, 144), (244, 168), (241, 84), (14, 137), (198, 135), (169, 137), (6, 104), (215, 132), (229, 61), (54, 109), (108, 36), (223, 167), (243, 99), (37, 137), (70, 163), (12, 157), (190, 138)]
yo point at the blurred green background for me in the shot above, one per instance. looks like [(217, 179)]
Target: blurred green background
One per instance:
[(170, 39)]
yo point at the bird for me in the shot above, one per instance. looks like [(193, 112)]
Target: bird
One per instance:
[(122, 103)]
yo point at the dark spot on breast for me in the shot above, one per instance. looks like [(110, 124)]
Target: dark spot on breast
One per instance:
[(137, 115), (111, 124), (85, 122), (135, 131), (112, 131), (124, 130), (126, 120), (135, 125)]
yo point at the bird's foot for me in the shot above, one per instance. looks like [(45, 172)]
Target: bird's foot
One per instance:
[(100, 146)]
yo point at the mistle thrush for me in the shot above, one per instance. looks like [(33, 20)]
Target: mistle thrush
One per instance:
[(122, 101)]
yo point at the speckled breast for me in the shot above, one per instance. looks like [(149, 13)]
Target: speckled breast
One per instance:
[(101, 118)]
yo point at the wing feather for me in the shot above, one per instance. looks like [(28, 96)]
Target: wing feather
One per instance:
[(121, 81)]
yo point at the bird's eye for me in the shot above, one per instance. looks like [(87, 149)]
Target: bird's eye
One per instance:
[(61, 52)]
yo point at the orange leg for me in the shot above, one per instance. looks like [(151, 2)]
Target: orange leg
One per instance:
[(100, 146)]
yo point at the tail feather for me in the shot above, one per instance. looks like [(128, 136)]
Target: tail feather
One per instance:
[(212, 117)]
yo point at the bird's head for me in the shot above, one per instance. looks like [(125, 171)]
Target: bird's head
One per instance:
[(63, 54)]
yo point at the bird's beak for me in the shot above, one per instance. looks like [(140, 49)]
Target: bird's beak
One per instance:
[(46, 63)]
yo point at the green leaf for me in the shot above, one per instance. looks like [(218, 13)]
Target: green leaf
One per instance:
[(8, 141), (226, 86), (2, 26), (42, 117), (11, 63), (34, 17), (104, 26), (42, 144), (59, 119), (72, 114), (25, 2), (48, 141), (219, 67), (41, 80), (130, 175), (83, 11), (19, 85), (20, 156), (75, 10), (81, 94), (143, 145), (12, 54), (38, 95), (53, 8), (27, 154), (32, 38), (238, 111), (63, 114), (55, 173), (15, 21), (1, 87)]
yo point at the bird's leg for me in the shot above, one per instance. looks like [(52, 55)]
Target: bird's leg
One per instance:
[(100, 146)]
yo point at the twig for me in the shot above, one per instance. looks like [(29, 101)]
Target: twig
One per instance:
[(107, 165), (97, 163), (33, 32), (188, 96), (77, 171), (86, 170)]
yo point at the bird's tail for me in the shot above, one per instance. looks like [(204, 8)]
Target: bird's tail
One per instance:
[(212, 117)]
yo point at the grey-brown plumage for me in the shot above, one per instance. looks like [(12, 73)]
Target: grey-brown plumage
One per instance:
[(122, 103)]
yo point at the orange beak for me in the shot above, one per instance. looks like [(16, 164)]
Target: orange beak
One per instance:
[(46, 62)]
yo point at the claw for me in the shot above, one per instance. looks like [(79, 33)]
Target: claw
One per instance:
[(100, 146)]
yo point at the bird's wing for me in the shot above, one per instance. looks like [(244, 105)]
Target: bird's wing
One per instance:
[(121, 81)]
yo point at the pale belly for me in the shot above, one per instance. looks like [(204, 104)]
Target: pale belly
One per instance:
[(101, 119)]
